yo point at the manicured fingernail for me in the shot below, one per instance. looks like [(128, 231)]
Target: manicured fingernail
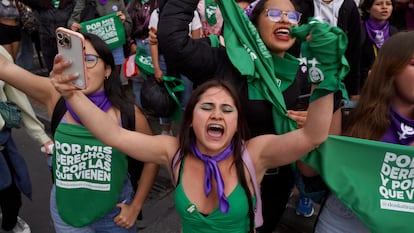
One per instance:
[(69, 61), (76, 74)]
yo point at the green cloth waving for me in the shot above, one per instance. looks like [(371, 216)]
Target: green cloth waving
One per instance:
[(250, 56), (327, 64), (374, 179)]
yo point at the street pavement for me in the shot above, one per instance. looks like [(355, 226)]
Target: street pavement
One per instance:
[(159, 215)]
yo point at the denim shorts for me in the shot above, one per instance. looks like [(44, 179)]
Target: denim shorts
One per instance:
[(105, 224)]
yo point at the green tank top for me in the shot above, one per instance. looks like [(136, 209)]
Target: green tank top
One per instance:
[(89, 175), (192, 221)]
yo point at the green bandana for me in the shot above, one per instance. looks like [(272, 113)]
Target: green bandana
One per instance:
[(89, 175), (286, 68), (324, 53), (374, 179), (172, 84), (210, 8)]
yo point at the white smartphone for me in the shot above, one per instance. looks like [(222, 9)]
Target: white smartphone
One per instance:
[(71, 45)]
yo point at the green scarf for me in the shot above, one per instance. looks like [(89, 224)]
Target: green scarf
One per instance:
[(374, 179), (286, 69), (324, 53)]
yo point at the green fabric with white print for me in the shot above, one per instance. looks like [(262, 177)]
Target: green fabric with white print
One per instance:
[(325, 57)]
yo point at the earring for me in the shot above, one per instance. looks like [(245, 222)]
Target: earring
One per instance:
[(106, 77)]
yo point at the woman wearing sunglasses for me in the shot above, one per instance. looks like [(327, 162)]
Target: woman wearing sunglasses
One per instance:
[(200, 61)]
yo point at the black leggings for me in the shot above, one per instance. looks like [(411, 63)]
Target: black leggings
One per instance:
[(276, 188), (10, 203)]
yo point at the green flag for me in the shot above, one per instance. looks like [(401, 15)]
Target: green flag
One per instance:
[(109, 28), (374, 179)]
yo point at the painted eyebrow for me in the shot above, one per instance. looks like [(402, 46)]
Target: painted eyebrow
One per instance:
[(222, 105)]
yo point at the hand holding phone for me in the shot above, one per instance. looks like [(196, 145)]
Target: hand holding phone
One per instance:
[(71, 45)]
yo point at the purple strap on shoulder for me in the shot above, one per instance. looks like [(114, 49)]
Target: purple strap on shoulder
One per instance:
[(258, 216)]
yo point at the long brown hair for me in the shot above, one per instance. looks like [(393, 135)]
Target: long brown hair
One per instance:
[(187, 137), (370, 118)]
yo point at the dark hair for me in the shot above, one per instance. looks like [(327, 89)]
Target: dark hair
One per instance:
[(187, 136), (258, 9), (370, 118), (366, 5), (112, 84)]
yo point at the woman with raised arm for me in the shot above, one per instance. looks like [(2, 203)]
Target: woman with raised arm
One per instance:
[(216, 171)]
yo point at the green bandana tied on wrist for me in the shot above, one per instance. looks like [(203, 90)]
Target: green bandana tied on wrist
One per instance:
[(324, 53)]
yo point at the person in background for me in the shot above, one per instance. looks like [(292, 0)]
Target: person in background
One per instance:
[(15, 178), (51, 15), (104, 7), (10, 27), (140, 13), (383, 111), (161, 65), (376, 29), (98, 205), (403, 15), (210, 17)]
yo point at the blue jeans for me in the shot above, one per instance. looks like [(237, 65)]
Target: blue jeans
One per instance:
[(338, 218), (24, 57), (137, 84), (119, 56), (105, 224)]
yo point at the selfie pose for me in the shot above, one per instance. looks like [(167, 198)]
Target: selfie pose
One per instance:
[(92, 191)]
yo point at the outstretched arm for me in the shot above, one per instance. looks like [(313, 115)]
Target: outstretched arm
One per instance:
[(276, 150), (37, 87), (158, 149)]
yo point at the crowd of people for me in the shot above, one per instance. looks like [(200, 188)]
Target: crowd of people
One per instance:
[(260, 92)]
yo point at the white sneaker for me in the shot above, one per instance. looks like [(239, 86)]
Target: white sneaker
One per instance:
[(21, 227)]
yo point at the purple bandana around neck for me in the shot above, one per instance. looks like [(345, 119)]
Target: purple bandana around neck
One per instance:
[(211, 168), (103, 2), (99, 99), (400, 131), (377, 32)]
